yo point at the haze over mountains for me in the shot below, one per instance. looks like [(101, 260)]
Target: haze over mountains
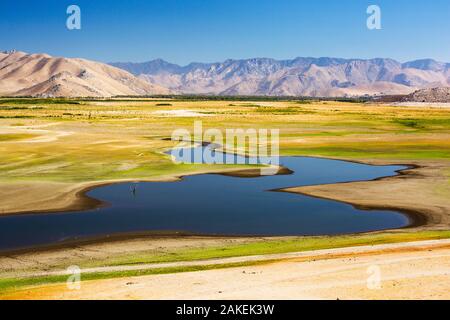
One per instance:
[(23, 74), (318, 77)]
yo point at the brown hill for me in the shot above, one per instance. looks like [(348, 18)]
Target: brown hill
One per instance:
[(433, 95), (23, 74)]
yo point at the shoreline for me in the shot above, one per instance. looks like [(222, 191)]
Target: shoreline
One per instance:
[(82, 202), (131, 236), (432, 216), (418, 219)]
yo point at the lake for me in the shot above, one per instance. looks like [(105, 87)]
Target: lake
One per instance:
[(213, 204)]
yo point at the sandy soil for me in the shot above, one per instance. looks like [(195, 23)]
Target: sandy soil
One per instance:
[(45, 197), (17, 264), (417, 190), (41, 135), (441, 105), (180, 113), (40, 196), (406, 271)]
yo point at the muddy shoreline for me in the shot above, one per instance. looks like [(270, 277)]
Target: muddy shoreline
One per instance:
[(418, 219), (82, 202)]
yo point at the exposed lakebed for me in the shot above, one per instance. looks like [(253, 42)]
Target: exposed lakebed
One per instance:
[(213, 204)]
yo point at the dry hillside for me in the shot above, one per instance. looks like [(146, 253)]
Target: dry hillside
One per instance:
[(23, 74)]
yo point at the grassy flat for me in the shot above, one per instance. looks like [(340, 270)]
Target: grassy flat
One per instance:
[(52, 147)]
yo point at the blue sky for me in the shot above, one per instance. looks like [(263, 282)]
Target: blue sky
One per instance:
[(183, 31)]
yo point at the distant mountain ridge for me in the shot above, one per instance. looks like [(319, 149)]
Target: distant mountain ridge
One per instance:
[(297, 77), (23, 74)]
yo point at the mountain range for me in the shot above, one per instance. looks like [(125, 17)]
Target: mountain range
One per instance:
[(317, 77), (23, 74)]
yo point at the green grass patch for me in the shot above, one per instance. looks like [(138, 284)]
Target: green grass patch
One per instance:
[(424, 123), (283, 111), (6, 108), (25, 101), (299, 244), (359, 151), (15, 136), (14, 284), (16, 117)]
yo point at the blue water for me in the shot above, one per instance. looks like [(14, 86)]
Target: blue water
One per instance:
[(213, 204)]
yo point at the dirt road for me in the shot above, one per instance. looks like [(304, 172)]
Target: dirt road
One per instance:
[(399, 271)]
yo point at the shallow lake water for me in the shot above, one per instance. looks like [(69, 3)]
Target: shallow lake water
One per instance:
[(213, 204)]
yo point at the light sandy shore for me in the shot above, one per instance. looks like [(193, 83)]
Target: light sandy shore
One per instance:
[(45, 197), (18, 264), (406, 271), (420, 191), (441, 105), (180, 113)]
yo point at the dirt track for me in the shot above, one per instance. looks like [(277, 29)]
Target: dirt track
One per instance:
[(406, 271)]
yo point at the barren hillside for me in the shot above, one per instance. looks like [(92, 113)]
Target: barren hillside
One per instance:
[(23, 74)]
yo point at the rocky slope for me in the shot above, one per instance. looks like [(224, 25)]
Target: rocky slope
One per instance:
[(300, 76), (23, 74), (433, 95)]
